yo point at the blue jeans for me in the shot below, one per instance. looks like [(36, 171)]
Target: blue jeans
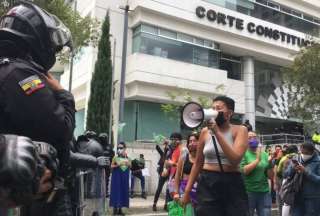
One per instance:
[(142, 181), (307, 207), (260, 202)]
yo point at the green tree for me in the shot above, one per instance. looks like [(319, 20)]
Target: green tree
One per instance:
[(173, 110), (303, 80), (83, 29), (100, 96)]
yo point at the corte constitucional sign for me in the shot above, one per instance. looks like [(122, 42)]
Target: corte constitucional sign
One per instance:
[(234, 22)]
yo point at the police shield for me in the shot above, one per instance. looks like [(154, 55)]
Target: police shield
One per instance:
[(93, 193)]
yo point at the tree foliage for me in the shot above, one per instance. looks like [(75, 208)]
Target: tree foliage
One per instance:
[(173, 110), (303, 80), (100, 96), (83, 29)]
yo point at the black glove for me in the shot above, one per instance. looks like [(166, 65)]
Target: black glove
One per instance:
[(103, 161), (18, 168)]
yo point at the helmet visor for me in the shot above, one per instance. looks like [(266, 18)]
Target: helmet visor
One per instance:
[(60, 34)]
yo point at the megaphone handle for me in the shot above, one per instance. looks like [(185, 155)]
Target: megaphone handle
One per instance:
[(217, 153)]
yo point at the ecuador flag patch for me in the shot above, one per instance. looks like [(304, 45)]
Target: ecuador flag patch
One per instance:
[(31, 84)]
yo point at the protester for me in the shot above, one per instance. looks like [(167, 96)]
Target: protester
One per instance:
[(220, 189), (163, 177), (247, 125), (170, 165), (137, 165), (277, 178), (184, 167), (108, 152), (257, 169), (316, 140), (290, 152), (120, 165), (307, 200)]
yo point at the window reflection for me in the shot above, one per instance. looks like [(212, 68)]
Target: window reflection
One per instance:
[(165, 47), (232, 65)]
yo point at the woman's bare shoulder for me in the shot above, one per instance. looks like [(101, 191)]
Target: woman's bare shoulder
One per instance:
[(238, 128)]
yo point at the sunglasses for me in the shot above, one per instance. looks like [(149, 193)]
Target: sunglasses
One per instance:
[(120, 148)]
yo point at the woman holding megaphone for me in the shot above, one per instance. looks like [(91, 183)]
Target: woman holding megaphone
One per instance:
[(220, 190)]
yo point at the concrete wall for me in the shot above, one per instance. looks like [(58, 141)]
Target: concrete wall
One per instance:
[(151, 158)]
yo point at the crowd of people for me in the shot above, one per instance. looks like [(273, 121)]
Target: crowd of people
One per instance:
[(225, 170), (222, 170)]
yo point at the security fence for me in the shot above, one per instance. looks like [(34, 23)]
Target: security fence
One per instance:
[(281, 139)]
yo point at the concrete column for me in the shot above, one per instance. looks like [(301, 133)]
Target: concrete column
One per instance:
[(248, 73)]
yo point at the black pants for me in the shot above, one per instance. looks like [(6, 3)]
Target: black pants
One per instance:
[(221, 194), (108, 172), (161, 182)]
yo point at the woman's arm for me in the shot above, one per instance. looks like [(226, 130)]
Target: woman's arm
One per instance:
[(177, 177), (233, 153), (159, 150), (197, 165), (114, 163), (247, 169)]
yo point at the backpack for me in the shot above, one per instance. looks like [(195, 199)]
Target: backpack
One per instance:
[(290, 187)]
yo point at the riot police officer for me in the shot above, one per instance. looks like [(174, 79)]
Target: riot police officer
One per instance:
[(21, 174), (32, 102), (108, 152)]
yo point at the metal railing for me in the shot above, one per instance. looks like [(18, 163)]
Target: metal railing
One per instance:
[(281, 139)]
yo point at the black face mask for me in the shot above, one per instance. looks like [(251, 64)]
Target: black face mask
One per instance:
[(220, 120)]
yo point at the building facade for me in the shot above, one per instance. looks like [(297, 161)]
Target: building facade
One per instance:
[(198, 49)]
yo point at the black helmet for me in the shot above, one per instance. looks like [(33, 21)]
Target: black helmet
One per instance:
[(91, 147), (90, 134), (43, 32), (103, 137)]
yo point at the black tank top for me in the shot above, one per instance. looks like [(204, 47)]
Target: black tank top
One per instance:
[(187, 166)]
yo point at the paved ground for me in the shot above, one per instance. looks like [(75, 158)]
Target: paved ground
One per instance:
[(142, 207)]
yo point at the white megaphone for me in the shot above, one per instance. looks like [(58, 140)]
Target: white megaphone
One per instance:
[(193, 114)]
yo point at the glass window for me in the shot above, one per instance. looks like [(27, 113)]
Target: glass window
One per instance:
[(199, 41), (310, 18), (149, 29), (136, 44), (137, 30), (275, 6), (164, 47), (168, 33), (185, 37), (286, 10), (208, 43), (262, 2), (298, 14), (232, 65)]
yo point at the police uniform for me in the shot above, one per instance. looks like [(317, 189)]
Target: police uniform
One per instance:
[(30, 37), (30, 108)]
